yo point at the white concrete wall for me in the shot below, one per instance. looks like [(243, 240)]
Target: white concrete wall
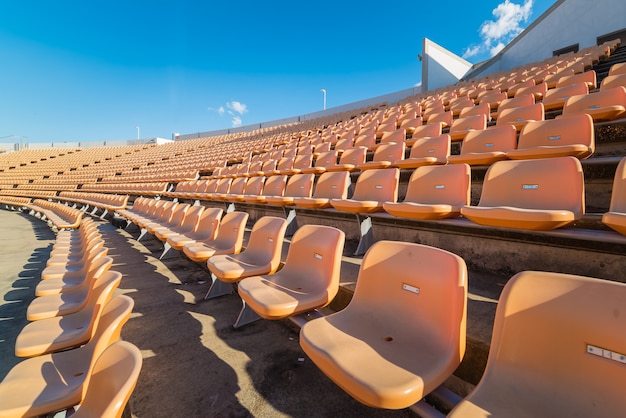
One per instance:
[(441, 67), (566, 23)]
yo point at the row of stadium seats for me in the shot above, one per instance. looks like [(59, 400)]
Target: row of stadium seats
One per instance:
[(75, 360)]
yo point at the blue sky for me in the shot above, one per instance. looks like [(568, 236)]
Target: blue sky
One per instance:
[(95, 70)]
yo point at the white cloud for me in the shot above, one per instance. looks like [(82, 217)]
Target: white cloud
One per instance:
[(234, 109), (237, 107), (236, 121), (471, 51), (509, 16), (508, 23)]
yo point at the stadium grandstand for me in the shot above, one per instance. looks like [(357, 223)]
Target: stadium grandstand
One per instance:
[(456, 249)]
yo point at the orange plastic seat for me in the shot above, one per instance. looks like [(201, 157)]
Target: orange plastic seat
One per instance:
[(606, 104), (274, 186), (396, 136), (175, 222), (427, 151), (114, 376), (70, 283), (485, 147), (261, 256), (349, 160), (298, 185), (615, 218), (403, 333), (229, 239), (301, 162), (205, 230), (537, 90), (587, 77), (520, 116), (444, 118), (461, 126), (323, 160), (58, 333), (58, 304), (513, 103), (53, 382), (556, 98), (410, 125), (188, 224), (619, 68), (424, 131), (309, 279), (372, 189), (434, 192), (530, 194), (612, 81), (384, 156), (331, 185), (557, 350), (568, 135)]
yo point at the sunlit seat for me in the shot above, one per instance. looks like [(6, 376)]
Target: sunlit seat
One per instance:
[(331, 185), (309, 279), (434, 192), (557, 350), (485, 147), (616, 216), (530, 194), (229, 239), (402, 334)]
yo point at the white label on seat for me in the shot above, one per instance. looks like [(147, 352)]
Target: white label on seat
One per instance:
[(489, 144), (270, 239), (302, 187), (608, 354), (520, 119), (431, 151), (378, 186), (318, 256), (235, 229), (594, 107), (530, 186), (333, 186), (410, 288), (554, 138), (440, 186)]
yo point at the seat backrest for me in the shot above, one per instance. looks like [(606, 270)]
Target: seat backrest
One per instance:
[(299, 185), (316, 249), (191, 219), (208, 224), (427, 131), (618, 195), (332, 185), (112, 318), (344, 144), (238, 185), (468, 123), (515, 102), (586, 103), (377, 185), (114, 376), (389, 152), (366, 140), (303, 161), (354, 156), (613, 81), (567, 130), (519, 115), (231, 232), (535, 184), (326, 159), (587, 77), (415, 288), (440, 184), (398, 135), (558, 339), (178, 214), (275, 185), (619, 68), (496, 138), (265, 242), (223, 185), (436, 146), (556, 97), (254, 186)]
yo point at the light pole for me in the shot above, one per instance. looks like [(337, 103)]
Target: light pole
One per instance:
[(324, 92), (138, 129)]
